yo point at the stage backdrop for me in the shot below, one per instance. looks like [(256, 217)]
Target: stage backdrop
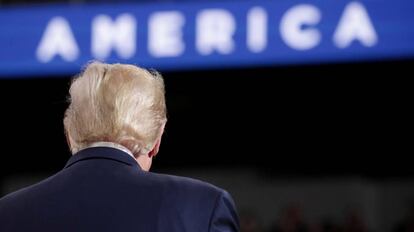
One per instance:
[(58, 39)]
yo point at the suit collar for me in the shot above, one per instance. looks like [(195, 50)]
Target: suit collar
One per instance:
[(109, 153), (113, 145)]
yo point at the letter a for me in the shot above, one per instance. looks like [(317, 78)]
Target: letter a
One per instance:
[(57, 40), (355, 24)]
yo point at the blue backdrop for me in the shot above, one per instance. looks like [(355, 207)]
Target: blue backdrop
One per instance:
[(59, 39)]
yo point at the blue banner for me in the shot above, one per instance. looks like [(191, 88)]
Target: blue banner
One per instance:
[(59, 39)]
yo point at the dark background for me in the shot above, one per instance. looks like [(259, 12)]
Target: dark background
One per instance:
[(319, 120)]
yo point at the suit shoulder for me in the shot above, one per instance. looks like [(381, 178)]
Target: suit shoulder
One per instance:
[(14, 202), (187, 184), (219, 208), (22, 195)]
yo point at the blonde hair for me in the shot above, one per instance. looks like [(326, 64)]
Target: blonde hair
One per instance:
[(116, 103)]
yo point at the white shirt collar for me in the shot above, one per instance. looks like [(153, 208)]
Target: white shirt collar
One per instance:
[(113, 145)]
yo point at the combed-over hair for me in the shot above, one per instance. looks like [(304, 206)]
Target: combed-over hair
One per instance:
[(116, 103)]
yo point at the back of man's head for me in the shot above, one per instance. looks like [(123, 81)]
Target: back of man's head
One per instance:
[(116, 103)]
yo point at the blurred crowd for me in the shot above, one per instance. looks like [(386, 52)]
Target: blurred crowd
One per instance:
[(291, 219)]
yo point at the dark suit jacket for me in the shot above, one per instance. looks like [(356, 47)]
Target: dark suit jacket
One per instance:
[(104, 189)]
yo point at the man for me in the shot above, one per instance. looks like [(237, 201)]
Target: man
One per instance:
[(113, 126)]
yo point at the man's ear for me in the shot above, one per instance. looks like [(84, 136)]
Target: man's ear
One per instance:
[(156, 147), (68, 140)]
